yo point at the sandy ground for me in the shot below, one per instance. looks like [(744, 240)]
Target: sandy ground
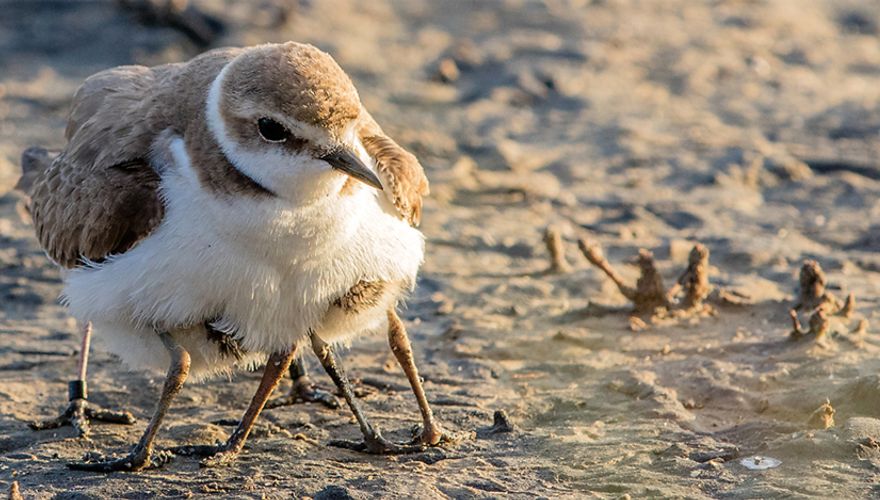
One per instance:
[(751, 126)]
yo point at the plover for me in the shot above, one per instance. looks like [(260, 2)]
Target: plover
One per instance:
[(239, 205)]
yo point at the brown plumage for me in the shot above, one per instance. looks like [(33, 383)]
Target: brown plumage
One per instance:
[(364, 295), (216, 124), (311, 87), (100, 196), (402, 175)]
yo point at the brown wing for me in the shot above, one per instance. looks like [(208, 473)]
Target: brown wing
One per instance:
[(400, 171), (100, 195)]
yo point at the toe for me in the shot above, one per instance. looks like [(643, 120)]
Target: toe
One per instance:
[(129, 463), (322, 397), (221, 459), (288, 400), (432, 436), (378, 446), (199, 450), (348, 445), (111, 416)]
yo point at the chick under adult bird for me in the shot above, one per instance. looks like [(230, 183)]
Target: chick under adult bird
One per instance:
[(241, 205)]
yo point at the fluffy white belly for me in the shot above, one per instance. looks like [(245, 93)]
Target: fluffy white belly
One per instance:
[(268, 272)]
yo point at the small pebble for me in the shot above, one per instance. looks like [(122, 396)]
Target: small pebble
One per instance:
[(447, 71), (501, 423)]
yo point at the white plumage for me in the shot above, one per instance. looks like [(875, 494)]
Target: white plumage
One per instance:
[(242, 258), (247, 204)]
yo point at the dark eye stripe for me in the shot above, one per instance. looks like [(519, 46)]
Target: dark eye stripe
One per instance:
[(296, 144)]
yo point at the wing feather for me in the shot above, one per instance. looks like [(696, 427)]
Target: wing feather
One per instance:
[(400, 171), (100, 196)]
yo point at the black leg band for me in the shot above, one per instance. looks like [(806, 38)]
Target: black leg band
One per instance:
[(76, 389)]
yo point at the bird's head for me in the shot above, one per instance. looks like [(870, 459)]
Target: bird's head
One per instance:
[(285, 115)]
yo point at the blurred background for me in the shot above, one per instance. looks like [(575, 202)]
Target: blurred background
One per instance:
[(752, 126)]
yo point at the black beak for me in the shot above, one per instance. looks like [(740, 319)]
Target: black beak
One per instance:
[(347, 162)]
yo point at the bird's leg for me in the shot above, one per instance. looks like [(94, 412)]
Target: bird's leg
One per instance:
[(306, 390), (226, 453), (80, 410), (431, 434), (303, 389), (140, 455), (373, 441)]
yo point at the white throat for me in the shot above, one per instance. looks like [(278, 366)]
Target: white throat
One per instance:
[(297, 178)]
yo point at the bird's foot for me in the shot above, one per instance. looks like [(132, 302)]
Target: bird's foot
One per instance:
[(435, 436), (217, 455), (138, 459), (378, 445), (220, 459), (79, 413), (304, 390)]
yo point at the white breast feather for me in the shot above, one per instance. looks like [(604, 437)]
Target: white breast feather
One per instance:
[(270, 268)]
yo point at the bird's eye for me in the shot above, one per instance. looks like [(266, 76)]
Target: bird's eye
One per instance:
[(271, 130)]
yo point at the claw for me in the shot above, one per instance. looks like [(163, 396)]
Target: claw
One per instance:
[(218, 455), (428, 436), (197, 450), (306, 392), (94, 412), (378, 446), (138, 459), (314, 395), (79, 413), (436, 437), (220, 459)]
